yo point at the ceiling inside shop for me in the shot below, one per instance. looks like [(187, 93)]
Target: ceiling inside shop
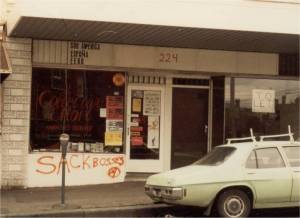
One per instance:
[(154, 35)]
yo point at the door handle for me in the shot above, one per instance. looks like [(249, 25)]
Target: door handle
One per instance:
[(251, 173), (205, 129)]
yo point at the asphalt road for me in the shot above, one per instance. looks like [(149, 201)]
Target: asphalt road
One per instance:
[(196, 212), (180, 211)]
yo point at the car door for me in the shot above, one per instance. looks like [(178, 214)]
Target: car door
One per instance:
[(293, 156), (271, 179)]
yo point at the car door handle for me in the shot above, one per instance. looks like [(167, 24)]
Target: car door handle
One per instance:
[(251, 173)]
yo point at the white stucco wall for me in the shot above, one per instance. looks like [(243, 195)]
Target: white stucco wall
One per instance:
[(246, 15)]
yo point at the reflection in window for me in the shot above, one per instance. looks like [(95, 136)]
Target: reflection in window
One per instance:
[(216, 157), (240, 115), (293, 155), (252, 161), (269, 158), (88, 105)]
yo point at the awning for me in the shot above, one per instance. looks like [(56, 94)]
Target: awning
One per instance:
[(5, 65), (155, 35), (254, 26)]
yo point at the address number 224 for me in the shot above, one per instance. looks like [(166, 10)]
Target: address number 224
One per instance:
[(167, 57)]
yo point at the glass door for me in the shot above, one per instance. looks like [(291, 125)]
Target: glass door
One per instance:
[(144, 129)]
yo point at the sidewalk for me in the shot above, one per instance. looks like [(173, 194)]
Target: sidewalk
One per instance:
[(79, 199)]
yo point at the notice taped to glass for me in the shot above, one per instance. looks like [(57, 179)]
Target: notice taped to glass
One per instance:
[(151, 103)]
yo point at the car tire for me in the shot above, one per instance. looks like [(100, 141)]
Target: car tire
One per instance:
[(233, 203)]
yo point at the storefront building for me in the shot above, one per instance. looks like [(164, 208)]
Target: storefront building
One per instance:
[(134, 97)]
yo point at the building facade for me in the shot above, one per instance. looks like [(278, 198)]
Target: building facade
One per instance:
[(138, 93)]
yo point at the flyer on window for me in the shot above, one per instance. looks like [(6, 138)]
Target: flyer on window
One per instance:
[(137, 105), (114, 107), (151, 103), (114, 125), (153, 132), (113, 138)]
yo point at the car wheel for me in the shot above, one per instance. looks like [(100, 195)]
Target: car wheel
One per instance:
[(233, 203)]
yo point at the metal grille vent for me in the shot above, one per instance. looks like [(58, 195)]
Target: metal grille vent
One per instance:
[(141, 79), (190, 82)]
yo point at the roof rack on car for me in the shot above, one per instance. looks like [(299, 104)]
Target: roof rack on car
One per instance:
[(289, 134), (252, 137)]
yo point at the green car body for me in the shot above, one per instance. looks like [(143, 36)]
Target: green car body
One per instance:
[(274, 185)]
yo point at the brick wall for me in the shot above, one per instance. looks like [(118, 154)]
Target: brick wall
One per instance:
[(16, 91)]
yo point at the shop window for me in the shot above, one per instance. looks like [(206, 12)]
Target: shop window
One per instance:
[(267, 106), (145, 124), (218, 111), (88, 105), (289, 65)]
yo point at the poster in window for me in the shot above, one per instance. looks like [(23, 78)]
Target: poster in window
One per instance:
[(114, 107), (153, 132), (114, 101), (102, 112), (136, 141), (263, 101), (137, 94), (114, 125), (137, 105), (113, 138), (151, 106)]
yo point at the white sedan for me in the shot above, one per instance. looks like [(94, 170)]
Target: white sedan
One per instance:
[(234, 178)]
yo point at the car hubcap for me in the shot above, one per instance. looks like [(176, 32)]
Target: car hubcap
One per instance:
[(234, 206)]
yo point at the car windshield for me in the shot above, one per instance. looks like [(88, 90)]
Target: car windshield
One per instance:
[(216, 157)]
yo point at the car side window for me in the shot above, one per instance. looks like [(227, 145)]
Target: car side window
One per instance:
[(293, 155), (251, 161), (269, 158)]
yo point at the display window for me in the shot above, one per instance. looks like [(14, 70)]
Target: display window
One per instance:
[(145, 124), (88, 105), (267, 106)]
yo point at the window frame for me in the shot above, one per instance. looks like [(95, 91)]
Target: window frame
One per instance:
[(256, 159), (286, 156), (119, 149)]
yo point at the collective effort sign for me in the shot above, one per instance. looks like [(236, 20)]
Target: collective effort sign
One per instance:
[(263, 101), (44, 169)]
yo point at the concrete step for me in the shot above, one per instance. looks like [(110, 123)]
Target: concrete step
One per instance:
[(137, 177)]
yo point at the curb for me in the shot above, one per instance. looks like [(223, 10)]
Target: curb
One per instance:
[(129, 211)]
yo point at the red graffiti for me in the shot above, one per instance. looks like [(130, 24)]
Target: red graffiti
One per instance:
[(118, 160), (114, 172), (50, 165)]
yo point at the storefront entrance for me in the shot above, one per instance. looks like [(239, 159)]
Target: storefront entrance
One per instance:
[(144, 128), (189, 125)]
